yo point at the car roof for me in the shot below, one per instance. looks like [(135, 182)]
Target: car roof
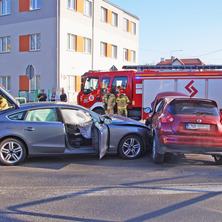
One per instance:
[(168, 94)]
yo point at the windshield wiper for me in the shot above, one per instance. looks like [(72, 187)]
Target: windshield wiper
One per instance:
[(204, 113)]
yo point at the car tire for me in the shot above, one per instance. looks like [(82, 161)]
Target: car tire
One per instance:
[(12, 152), (218, 159), (130, 147), (157, 157), (99, 111)]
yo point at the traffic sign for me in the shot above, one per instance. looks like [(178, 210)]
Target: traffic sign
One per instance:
[(30, 71)]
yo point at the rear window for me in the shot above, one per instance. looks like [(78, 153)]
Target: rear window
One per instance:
[(193, 108)]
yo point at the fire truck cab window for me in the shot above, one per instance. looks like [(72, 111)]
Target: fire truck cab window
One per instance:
[(105, 84), (91, 84), (119, 82)]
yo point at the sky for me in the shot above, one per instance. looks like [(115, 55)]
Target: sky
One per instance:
[(179, 28)]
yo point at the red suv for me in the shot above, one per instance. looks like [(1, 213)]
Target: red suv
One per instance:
[(181, 124)]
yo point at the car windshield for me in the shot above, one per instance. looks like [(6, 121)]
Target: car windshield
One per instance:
[(96, 117), (193, 108)]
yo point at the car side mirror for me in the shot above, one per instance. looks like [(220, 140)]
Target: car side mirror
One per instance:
[(147, 110)]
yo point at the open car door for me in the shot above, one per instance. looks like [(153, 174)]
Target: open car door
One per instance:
[(100, 138)]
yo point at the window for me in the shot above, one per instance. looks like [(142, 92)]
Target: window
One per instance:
[(5, 44), (71, 81), (72, 4), (114, 52), (103, 14), (125, 24), (6, 82), (35, 4), (34, 42), (71, 42), (114, 19), (103, 49), (119, 82), (5, 7), (133, 28), (17, 116), (87, 45), (35, 83), (125, 54), (42, 115), (88, 8), (91, 84), (105, 84), (133, 56)]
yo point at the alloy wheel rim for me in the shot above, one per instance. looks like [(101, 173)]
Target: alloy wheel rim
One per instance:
[(11, 152), (131, 147)]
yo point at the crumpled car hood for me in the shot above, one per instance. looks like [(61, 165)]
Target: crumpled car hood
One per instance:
[(121, 120)]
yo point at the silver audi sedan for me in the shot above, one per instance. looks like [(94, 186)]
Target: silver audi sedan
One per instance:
[(55, 128)]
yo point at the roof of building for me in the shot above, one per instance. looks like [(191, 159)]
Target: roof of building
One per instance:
[(121, 9), (182, 61)]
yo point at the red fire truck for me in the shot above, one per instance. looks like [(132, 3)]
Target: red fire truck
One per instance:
[(142, 83)]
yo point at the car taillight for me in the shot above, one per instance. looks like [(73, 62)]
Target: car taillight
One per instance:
[(167, 118)]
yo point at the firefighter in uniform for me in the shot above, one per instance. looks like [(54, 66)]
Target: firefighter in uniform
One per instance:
[(109, 102), (3, 103), (122, 103)]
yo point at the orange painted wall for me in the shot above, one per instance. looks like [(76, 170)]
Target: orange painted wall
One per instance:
[(79, 43), (108, 50), (77, 83), (129, 55), (129, 26), (24, 5), (23, 83), (109, 17), (23, 43), (80, 6)]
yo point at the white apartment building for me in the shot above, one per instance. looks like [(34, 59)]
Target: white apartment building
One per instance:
[(63, 39)]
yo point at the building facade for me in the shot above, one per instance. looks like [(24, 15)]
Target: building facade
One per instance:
[(63, 39)]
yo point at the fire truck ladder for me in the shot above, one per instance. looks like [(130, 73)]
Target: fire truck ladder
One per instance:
[(172, 67)]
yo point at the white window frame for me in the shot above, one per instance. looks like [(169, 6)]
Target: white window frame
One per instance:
[(34, 79), (89, 4), (37, 45), (125, 54), (8, 83), (87, 45), (133, 56), (7, 7), (103, 14), (34, 4), (103, 49), (7, 40), (125, 24), (113, 51), (114, 19), (71, 41), (71, 82), (71, 4), (133, 28)]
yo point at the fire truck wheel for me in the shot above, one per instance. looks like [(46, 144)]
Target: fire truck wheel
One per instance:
[(130, 147), (99, 111), (157, 157)]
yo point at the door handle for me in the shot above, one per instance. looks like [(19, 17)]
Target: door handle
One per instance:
[(30, 129)]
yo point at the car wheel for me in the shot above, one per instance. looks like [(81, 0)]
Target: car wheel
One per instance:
[(130, 147), (12, 152), (99, 111), (218, 159), (157, 157)]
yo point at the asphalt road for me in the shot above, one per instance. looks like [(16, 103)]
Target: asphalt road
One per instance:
[(83, 188)]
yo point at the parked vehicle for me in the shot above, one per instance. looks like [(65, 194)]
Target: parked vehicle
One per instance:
[(144, 82), (47, 128), (181, 125)]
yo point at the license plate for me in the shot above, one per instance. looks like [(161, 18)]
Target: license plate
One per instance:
[(193, 126)]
